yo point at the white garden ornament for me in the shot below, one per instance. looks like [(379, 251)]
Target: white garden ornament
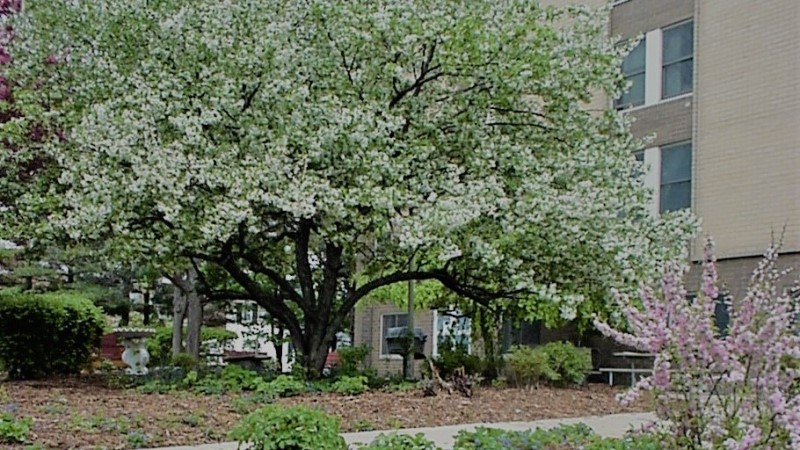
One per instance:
[(135, 355)]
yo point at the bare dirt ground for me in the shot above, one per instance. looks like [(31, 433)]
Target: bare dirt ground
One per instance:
[(83, 414)]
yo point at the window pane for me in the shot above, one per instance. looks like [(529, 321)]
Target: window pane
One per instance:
[(676, 196), (722, 317), (634, 62), (678, 42), (678, 78), (635, 94), (676, 163), (639, 170), (391, 321)]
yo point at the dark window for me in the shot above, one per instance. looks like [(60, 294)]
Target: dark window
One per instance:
[(676, 177), (633, 68), (678, 60), (639, 171), (722, 315), (391, 321), (524, 333)]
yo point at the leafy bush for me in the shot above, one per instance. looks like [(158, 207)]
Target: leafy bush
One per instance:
[(351, 385), (285, 386), (297, 428), (73, 328), (555, 363), (12, 430), (571, 363), (713, 389), (352, 359), (232, 378), (529, 366), (185, 361), (565, 437), (396, 441), (453, 355)]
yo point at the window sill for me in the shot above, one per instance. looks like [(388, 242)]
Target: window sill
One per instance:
[(391, 358), (660, 102)]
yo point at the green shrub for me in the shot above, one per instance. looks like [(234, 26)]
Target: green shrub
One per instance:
[(556, 363), (454, 355), (352, 359), (564, 437), (396, 441), (351, 385), (571, 363), (12, 430), (280, 428), (232, 378), (47, 334), (185, 361), (285, 386), (529, 366)]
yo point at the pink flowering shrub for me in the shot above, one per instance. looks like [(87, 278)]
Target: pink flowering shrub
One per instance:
[(734, 392)]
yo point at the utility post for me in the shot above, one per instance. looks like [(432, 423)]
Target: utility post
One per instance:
[(408, 361)]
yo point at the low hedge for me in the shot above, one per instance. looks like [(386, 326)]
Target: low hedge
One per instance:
[(47, 334)]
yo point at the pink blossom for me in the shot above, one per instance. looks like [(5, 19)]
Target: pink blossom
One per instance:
[(714, 391)]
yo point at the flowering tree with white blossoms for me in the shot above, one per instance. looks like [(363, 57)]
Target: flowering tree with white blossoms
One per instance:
[(733, 391), (311, 150)]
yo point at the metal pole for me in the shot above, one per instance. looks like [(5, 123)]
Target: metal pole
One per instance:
[(408, 367)]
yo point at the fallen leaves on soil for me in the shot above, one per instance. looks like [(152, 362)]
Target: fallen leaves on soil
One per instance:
[(80, 414)]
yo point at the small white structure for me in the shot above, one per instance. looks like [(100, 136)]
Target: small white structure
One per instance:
[(255, 333), (135, 355)]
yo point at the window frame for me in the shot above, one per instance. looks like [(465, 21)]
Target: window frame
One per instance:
[(383, 348), (689, 179), (617, 101), (683, 59)]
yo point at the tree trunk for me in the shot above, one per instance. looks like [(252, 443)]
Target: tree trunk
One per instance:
[(178, 315), (313, 346), (277, 339), (194, 315)]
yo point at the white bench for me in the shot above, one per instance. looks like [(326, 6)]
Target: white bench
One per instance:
[(629, 370)]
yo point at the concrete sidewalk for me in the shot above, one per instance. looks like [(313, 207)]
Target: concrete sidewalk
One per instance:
[(609, 426)]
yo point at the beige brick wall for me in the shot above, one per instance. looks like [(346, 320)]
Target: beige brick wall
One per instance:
[(734, 274), (666, 123), (747, 158), (634, 17), (367, 330)]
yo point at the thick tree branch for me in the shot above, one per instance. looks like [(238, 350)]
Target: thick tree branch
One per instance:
[(255, 264), (427, 74), (304, 274), (332, 272), (274, 305), (477, 294)]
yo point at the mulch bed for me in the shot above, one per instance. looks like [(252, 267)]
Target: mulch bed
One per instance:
[(84, 414)]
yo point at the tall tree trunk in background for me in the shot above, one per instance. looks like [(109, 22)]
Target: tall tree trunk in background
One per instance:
[(192, 307), (178, 315), (194, 314)]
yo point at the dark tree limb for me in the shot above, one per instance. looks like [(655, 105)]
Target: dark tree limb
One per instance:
[(304, 274)]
